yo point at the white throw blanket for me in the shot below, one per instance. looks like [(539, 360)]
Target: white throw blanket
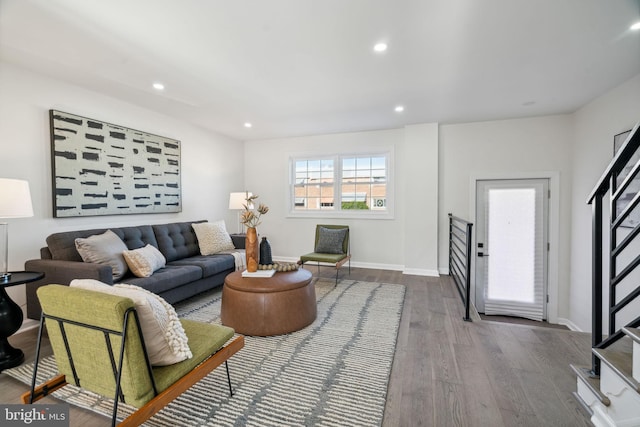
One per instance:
[(240, 259)]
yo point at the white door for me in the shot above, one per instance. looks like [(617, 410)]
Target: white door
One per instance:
[(512, 247)]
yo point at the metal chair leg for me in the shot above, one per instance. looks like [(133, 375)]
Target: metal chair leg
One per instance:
[(226, 365)]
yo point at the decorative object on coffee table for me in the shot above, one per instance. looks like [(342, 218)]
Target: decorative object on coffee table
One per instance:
[(251, 249), (279, 266), (251, 219), (265, 252)]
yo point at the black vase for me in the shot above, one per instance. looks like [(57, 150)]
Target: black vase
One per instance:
[(265, 252)]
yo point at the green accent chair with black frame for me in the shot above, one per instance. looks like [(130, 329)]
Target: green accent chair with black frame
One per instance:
[(98, 345), (332, 247)]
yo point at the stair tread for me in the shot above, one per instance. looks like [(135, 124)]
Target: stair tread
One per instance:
[(633, 333), (592, 382), (621, 362)]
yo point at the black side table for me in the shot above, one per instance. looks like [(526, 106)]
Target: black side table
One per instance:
[(11, 318)]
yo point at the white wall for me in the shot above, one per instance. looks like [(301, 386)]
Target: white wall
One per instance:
[(595, 125), (516, 148), (419, 165), (212, 165), (379, 243)]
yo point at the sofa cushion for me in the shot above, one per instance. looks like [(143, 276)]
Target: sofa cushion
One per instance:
[(213, 237), (164, 337), (210, 265), (176, 240), (105, 248), (137, 237), (172, 276), (62, 245), (144, 261)]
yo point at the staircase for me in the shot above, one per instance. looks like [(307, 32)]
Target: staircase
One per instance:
[(610, 388), (613, 398)]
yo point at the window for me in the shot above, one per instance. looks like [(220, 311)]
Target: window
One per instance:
[(344, 185)]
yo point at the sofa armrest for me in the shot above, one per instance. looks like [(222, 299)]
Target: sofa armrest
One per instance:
[(62, 273), (238, 240)]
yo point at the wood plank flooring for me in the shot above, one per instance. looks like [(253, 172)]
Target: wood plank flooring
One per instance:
[(446, 372)]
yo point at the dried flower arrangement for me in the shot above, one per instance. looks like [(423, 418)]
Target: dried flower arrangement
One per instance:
[(251, 218)]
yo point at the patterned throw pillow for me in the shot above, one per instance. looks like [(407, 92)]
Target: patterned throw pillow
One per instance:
[(104, 248), (164, 336), (144, 261), (330, 240), (213, 237)]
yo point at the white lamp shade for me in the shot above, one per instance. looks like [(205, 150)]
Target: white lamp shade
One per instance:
[(15, 198), (238, 200)]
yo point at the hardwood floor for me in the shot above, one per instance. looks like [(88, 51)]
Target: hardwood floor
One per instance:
[(446, 372)]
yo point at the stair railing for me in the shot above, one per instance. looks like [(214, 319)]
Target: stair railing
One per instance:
[(460, 258), (615, 182)]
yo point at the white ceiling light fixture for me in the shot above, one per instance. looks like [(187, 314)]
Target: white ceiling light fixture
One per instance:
[(158, 86), (399, 108), (635, 27), (247, 125), (380, 47)]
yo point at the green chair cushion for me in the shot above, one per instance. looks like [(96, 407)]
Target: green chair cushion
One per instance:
[(321, 257), (204, 340)]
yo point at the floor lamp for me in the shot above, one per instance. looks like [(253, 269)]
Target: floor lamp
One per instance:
[(15, 202), (237, 201)]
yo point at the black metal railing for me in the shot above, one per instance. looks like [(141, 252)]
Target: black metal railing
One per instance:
[(620, 183), (460, 258)]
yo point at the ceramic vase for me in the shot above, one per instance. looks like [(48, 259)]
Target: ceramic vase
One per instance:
[(251, 249), (265, 252)]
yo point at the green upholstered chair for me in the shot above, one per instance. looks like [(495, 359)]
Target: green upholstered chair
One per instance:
[(99, 346), (331, 247)]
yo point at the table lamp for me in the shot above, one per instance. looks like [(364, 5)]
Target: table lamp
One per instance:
[(15, 202), (237, 201)]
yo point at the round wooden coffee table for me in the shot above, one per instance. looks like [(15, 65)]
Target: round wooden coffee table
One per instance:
[(276, 305)]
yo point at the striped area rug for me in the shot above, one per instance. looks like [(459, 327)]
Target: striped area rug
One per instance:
[(334, 372)]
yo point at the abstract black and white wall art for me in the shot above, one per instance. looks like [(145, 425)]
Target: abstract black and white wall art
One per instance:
[(104, 169)]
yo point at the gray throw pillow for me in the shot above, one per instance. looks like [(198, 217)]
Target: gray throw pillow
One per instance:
[(104, 248), (330, 240)]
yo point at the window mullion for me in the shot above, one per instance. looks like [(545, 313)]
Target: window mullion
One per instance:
[(337, 183)]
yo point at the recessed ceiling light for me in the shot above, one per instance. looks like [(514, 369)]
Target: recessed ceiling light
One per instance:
[(380, 47), (158, 86), (399, 108), (636, 26), (247, 125)]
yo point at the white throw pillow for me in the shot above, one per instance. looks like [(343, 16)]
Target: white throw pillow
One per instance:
[(213, 237), (105, 248), (164, 336), (144, 261)]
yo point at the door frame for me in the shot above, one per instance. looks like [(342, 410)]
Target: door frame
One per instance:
[(554, 228)]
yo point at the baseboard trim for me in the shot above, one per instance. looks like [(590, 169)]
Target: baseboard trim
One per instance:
[(421, 272), (569, 324)]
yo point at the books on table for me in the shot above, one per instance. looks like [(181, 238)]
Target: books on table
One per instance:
[(259, 273)]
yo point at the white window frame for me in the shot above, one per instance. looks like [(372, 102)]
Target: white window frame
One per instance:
[(373, 213)]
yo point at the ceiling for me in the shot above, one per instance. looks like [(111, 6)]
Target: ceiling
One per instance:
[(300, 67)]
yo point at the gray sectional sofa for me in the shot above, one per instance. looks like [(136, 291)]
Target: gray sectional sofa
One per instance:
[(186, 274)]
